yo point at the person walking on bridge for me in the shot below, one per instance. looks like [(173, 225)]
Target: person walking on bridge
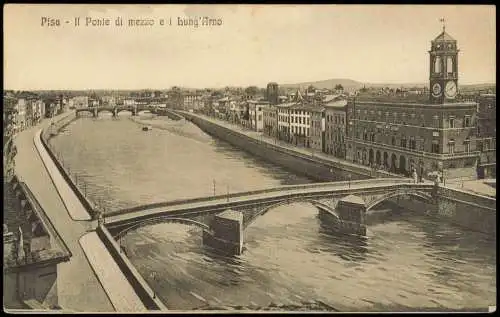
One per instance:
[(415, 176)]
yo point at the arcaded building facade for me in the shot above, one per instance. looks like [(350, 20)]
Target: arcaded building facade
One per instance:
[(399, 133)]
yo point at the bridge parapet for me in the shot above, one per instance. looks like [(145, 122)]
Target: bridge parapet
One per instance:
[(115, 109), (341, 185)]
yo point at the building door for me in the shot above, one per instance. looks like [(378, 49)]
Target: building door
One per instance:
[(393, 163), (402, 165)]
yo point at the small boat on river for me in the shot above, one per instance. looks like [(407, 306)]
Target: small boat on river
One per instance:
[(147, 128)]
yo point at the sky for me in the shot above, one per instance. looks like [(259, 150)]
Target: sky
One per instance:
[(254, 45)]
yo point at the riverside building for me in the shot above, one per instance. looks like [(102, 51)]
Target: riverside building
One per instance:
[(399, 132)]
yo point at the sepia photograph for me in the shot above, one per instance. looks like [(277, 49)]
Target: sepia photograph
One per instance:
[(249, 158)]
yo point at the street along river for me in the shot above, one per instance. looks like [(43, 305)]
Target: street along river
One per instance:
[(408, 261)]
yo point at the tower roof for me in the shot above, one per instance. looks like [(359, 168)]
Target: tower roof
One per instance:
[(444, 37), (298, 96)]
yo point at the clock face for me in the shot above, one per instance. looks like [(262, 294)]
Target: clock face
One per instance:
[(450, 89), (436, 90)]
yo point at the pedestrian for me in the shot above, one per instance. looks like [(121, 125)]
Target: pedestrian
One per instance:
[(415, 175)]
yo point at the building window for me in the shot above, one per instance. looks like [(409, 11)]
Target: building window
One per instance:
[(467, 145), (449, 65), (437, 64), (393, 141), (486, 144), (480, 145), (435, 146), (452, 122), (413, 143), (435, 122), (451, 146), (467, 121), (403, 141), (365, 135)]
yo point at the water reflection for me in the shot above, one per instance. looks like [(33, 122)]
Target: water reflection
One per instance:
[(345, 246)]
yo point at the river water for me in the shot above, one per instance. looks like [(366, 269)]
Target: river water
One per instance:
[(407, 261)]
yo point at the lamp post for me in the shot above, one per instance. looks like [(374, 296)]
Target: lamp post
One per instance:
[(227, 192), (153, 276), (213, 182), (349, 176)]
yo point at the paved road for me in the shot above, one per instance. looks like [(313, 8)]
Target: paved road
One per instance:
[(110, 275), (279, 192), (75, 209), (479, 186), (78, 287)]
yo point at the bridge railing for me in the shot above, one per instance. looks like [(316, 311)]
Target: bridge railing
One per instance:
[(345, 184), (259, 202)]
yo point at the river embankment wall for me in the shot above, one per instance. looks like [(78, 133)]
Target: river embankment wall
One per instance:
[(50, 132), (140, 286), (461, 208), (307, 165)]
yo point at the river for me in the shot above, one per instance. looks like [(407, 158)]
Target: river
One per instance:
[(407, 261)]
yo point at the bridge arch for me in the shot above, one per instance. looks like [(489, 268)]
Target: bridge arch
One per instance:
[(99, 110), (417, 194), (89, 110), (158, 220), (122, 109), (286, 201)]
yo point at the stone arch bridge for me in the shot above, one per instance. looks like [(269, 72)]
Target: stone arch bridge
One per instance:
[(115, 110), (224, 218)]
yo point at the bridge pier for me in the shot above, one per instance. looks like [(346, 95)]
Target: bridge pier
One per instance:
[(226, 233), (352, 213), (95, 114)]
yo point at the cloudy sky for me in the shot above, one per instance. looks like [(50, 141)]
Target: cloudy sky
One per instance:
[(254, 45)]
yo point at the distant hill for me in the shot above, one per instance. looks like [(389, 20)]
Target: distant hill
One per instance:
[(326, 84), (350, 84)]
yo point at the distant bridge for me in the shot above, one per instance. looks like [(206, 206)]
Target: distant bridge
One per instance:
[(253, 204), (115, 110), (135, 110)]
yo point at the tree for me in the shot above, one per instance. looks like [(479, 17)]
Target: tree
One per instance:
[(310, 88), (339, 87), (252, 90)]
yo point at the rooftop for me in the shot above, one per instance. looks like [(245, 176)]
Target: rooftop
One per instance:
[(286, 105), (392, 97), (31, 223), (336, 104), (444, 37)]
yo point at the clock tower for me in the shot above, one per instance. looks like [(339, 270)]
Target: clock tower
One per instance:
[(443, 75)]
